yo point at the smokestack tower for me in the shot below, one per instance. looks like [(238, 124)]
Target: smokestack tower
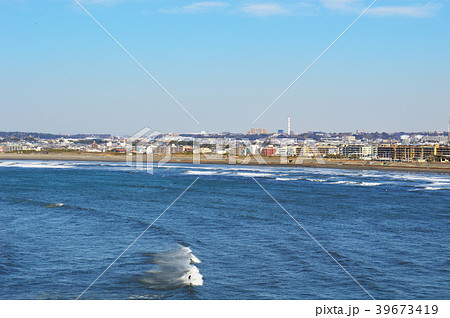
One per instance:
[(289, 126)]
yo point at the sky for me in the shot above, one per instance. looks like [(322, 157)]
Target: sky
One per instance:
[(224, 62)]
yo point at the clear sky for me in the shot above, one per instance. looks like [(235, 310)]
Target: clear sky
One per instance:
[(225, 61)]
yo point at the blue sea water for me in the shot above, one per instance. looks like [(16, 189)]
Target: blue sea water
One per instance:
[(64, 223)]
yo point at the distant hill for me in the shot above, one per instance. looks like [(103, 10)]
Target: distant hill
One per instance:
[(22, 135)]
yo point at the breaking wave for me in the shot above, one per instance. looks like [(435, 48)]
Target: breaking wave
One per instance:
[(370, 184), (173, 269), (36, 164), (54, 205), (434, 188), (254, 174), (317, 180), (205, 173)]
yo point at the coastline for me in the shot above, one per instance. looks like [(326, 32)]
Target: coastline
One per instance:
[(418, 167)]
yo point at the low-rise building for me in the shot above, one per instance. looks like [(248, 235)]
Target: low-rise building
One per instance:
[(412, 152), (351, 150), (258, 131), (370, 151), (268, 151)]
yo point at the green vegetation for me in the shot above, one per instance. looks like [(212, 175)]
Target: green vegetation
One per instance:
[(210, 146), (184, 143), (334, 156)]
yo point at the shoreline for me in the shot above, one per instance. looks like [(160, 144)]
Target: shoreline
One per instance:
[(417, 167)]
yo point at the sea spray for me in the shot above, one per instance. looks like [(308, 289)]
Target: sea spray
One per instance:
[(173, 269)]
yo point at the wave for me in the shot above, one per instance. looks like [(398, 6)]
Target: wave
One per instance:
[(254, 174), (427, 189), (35, 164), (203, 173), (317, 180), (411, 177), (443, 185), (364, 184), (370, 184), (286, 179), (344, 182), (54, 205), (185, 166), (434, 188), (173, 269)]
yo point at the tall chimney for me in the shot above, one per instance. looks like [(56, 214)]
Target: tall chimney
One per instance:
[(289, 126)]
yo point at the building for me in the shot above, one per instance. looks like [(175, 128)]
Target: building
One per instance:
[(386, 152), (166, 149), (370, 151), (326, 150), (412, 152), (254, 149), (268, 151), (349, 139), (15, 147), (351, 150), (442, 151), (289, 126), (258, 131), (288, 151)]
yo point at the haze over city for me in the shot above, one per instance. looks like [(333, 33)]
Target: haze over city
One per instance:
[(225, 62)]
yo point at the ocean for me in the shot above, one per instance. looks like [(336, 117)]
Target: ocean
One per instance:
[(64, 223)]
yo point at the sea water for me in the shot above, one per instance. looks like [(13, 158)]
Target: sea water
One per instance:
[(64, 223)]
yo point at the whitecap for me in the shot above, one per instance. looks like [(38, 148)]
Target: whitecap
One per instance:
[(344, 182), (364, 184), (286, 179), (54, 205), (426, 178), (317, 180), (370, 184), (173, 269), (36, 164), (203, 173), (254, 174)]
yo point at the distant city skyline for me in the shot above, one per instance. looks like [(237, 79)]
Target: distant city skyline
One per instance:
[(252, 131), (225, 62)]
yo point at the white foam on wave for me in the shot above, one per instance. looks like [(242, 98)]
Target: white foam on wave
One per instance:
[(36, 164), (344, 182), (364, 184), (173, 269), (250, 168), (369, 175), (6, 163), (316, 180), (426, 178), (434, 188), (54, 205), (370, 184), (331, 172), (202, 173), (445, 185), (198, 167), (254, 174), (286, 179)]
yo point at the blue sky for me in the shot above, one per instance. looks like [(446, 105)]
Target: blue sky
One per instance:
[(225, 61)]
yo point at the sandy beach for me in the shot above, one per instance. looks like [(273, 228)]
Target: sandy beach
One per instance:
[(432, 167)]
